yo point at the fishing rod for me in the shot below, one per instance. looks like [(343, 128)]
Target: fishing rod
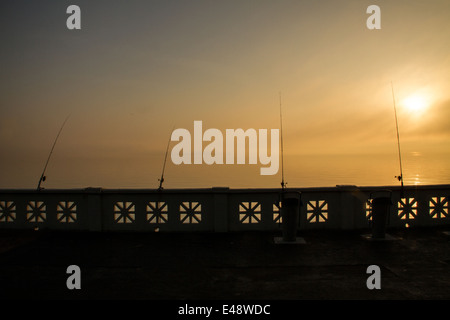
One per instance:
[(400, 177), (42, 178), (283, 184), (161, 180)]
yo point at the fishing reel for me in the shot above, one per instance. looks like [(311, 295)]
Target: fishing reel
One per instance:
[(42, 179), (160, 183), (399, 178)]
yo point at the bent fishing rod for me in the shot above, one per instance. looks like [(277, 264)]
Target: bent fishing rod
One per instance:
[(43, 178)]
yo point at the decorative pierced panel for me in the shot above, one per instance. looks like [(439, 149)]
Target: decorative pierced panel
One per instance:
[(439, 207), (66, 211), (317, 211), (276, 209), (190, 212), (249, 212), (124, 212), (36, 211), (369, 209), (157, 212), (407, 208), (7, 211)]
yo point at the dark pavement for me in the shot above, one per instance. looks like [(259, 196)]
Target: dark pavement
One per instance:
[(233, 266)]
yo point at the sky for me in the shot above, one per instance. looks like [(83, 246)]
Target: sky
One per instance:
[(138, 69)]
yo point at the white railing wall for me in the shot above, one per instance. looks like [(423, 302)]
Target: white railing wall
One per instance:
[(215, 209)]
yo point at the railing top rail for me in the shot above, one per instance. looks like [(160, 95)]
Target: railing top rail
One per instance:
[(213, 190)]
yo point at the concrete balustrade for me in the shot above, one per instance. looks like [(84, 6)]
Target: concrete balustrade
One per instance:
[(215, 209)]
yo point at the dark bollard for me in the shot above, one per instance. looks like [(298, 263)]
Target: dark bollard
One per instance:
[(290, 205), (381, 205)]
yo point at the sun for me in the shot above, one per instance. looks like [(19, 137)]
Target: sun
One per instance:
[(415, 103)]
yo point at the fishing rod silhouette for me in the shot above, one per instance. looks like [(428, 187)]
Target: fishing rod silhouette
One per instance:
[(43, 177), (283, 183), (161, 180), (400, 177)]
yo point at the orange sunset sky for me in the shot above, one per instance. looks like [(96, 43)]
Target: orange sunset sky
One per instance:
[(136, 69)]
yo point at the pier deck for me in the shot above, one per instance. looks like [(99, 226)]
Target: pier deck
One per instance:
[(236, 265)]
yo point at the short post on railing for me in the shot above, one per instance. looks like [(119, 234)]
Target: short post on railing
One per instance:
[(290, 208), (381, 205)]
